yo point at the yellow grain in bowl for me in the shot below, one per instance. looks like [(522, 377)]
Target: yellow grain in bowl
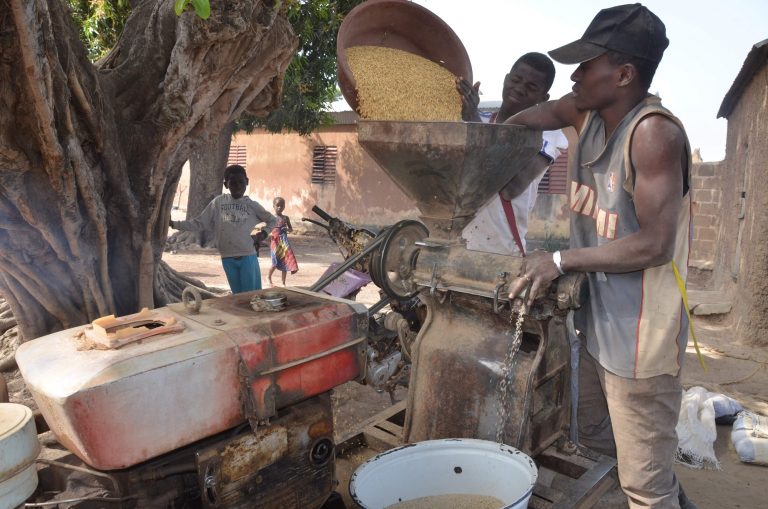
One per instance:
[(397, 85)]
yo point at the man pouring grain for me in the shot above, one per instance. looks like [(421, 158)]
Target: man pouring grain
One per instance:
[(500, 226), (630, 211)]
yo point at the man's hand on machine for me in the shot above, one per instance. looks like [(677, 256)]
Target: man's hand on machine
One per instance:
[(538, 271)]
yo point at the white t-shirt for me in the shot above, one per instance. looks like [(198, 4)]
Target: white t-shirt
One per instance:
[(489, 231)]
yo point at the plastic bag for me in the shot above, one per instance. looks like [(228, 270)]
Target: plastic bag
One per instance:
[(696, 428), (750, 437)]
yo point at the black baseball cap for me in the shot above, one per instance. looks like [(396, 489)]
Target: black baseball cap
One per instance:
[(631, 29)]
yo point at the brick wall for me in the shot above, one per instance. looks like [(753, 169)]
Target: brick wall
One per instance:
[(706, 209)]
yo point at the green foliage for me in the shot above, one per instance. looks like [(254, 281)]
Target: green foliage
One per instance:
[(100, 23), (310, 80), (202, 7)]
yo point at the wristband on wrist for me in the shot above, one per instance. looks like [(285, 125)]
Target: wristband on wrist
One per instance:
[(558, 261)]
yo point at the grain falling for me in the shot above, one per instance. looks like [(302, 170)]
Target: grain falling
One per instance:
[(397, 85), (452, 501)]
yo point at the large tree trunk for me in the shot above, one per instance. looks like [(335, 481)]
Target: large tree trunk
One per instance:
[(90, 155)]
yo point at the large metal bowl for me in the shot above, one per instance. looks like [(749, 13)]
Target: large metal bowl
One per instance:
[(402, 25)]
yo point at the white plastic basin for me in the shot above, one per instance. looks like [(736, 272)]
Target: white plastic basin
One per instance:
[(18, 450), (442, 467)]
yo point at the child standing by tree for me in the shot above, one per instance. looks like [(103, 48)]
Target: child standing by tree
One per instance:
[(231, 217), (282, 254)]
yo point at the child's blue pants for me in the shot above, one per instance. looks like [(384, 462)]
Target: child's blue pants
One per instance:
[(242, 272)]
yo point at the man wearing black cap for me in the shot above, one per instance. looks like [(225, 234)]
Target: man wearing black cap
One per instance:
[(630, 216)]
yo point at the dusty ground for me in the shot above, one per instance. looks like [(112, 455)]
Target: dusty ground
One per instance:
[(737, 371)]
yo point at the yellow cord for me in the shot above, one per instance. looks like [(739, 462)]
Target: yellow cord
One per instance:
[(681, 287)]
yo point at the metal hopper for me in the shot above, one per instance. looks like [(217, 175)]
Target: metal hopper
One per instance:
[(449, 169)]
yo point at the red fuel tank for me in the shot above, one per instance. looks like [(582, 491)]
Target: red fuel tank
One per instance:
[(116, 395)]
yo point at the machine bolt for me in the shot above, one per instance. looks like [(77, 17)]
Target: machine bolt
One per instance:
[(321, 451)]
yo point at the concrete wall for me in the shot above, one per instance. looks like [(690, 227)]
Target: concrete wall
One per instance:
[(730, 222), (707, 220), (744, 232), (281, 165)]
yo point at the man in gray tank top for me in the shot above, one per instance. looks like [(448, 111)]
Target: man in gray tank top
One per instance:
[(630, 216)]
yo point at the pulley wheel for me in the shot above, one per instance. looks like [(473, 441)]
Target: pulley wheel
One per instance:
[(392, 264), (374, 260)]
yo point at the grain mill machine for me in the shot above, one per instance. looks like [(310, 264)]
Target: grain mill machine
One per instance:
[(451, 169)]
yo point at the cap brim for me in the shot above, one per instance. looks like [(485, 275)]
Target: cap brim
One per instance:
[(577, 52)]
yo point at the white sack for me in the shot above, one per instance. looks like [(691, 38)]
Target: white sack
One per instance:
[(696, 429), (750, 437)]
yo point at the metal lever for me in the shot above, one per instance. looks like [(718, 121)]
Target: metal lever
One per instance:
[(502, 277), (524, 308)]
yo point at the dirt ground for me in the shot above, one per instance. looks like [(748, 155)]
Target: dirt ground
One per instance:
[(734, 370)]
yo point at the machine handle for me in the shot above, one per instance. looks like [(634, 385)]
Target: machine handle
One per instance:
[(192, 300), (320, 212), (318, 223)]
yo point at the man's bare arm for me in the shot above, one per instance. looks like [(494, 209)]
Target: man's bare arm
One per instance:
[(537, 165), (550, 115), (656, 151), (657, 147)]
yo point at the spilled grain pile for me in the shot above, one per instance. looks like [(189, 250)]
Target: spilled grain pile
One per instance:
[(397, 85)]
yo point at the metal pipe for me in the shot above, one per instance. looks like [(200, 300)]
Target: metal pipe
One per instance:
[(529, 385), (323, 214), (84, 470), (318, 223), (573, 339), (349, 262), (167, 471), (378, 306), (311, 358), (52, 503)]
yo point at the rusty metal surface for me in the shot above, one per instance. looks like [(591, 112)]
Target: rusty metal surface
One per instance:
[(400, 25), (277, 467), (457, 364), (117, 408), (572, 290), (351, 241), (458, 269), (449, 169), (300, 353), (281, 466)]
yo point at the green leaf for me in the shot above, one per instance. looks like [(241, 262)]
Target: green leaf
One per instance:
[(202, 8), (179, 5)]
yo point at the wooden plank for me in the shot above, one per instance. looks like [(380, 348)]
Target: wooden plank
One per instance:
[(379, 439), (538, 503), (585, 492), (391, 427), (546, 495), (384, 415), (572, 465)]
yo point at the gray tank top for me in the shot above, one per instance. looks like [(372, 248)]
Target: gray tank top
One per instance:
[(634, 322)]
